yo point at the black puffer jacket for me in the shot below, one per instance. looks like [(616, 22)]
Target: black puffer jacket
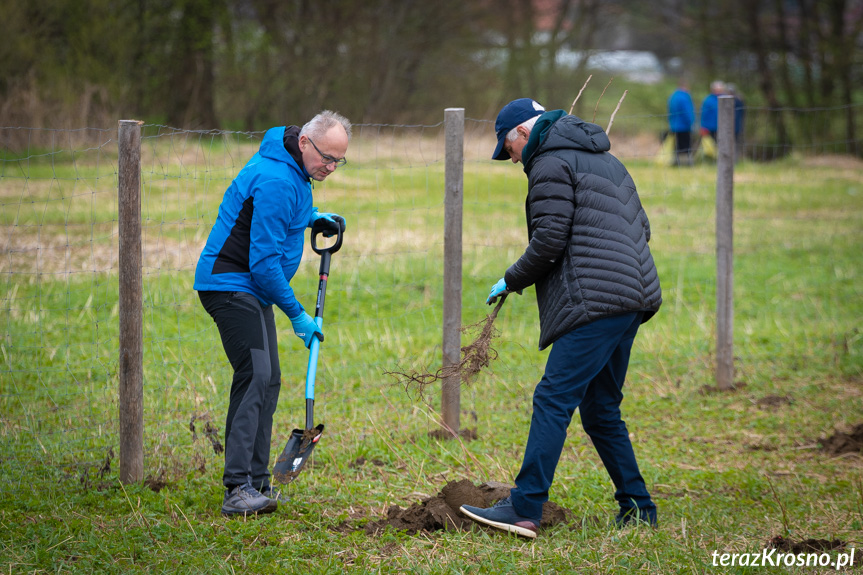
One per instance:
[(588, 252)]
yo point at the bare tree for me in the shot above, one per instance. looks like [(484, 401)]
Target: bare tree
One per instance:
[(751, 10), (191, 87)]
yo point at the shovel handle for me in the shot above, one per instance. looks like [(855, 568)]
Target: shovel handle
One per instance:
[(318, 228)]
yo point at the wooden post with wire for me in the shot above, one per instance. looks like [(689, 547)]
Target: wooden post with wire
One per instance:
[(131, 369), (452, 272), (725, 245)]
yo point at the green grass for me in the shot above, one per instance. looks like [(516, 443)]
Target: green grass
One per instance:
[(728, 470)]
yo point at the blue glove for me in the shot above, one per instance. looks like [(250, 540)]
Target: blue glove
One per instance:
[(329, 223), (498, 289), (305, 328)]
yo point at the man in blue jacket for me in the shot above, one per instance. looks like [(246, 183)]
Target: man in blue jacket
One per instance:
[(681, 115), (596, 283), (246, 267), (739, 117), (710, 109)]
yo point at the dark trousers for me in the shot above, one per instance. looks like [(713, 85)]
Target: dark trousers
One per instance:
[(585, 370), (248, 333), (682, 146)]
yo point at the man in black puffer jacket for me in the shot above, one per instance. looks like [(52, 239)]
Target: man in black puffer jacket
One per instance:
[(596, 283)]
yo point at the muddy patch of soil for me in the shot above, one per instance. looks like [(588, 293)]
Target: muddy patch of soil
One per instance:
[(806, 546), (441, 512), (156, 483), (840, 442), (773, 401)]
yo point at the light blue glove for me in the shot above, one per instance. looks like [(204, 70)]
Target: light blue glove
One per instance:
[(335, 219), (305, 328), (497, 290)]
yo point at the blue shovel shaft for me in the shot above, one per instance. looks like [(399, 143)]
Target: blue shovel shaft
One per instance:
[(301, 442), (312, 370), (311, 374)]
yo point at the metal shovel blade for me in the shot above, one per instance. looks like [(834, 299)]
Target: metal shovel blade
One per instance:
[(296, 453)]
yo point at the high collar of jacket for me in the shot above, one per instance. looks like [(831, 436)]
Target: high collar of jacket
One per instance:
[(556, 130), (282, 144)]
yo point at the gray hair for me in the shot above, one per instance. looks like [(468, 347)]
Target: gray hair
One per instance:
[(322, 122), (513, 134), (717, 86)]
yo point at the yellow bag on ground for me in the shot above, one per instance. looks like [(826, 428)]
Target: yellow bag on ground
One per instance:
[(665, 157), (708, 147)]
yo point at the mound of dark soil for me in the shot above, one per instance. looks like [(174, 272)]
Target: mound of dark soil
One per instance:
[(442, 511), (841, 442), (156, 483), (806, 546), (773, 401)]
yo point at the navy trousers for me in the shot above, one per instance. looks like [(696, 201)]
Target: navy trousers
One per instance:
[(248, 333), (586, 369)]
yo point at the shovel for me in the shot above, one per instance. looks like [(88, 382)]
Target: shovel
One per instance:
[(303, 441)]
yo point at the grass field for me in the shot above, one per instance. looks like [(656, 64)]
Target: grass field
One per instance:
[(729, 471)]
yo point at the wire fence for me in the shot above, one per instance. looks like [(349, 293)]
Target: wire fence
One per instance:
[(59, 270)]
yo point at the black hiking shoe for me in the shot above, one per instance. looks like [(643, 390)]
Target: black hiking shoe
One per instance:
[(503, 516), (246, 500)]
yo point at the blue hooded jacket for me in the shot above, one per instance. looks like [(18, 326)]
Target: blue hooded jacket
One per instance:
[(681, 112), (257, 242), (709, 112)]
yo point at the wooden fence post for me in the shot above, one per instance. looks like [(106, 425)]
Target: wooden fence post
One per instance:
[(131, 301), (454, 190), (725, 245)]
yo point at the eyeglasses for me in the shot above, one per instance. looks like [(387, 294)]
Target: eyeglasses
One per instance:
[(339, 162)]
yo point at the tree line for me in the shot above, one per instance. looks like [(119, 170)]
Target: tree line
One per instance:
[(249, 64)]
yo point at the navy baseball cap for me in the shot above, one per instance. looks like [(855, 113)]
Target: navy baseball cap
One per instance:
[(510, 116)]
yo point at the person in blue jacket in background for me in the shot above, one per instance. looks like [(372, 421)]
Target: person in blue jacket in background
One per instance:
[(246, 267), (710, 109), (739, 117), (681, 116)]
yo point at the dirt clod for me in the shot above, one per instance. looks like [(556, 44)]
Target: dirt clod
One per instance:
[(156, 483), (360, 461), (441, 512), (773, 401), (840, 442), (806, 546)]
